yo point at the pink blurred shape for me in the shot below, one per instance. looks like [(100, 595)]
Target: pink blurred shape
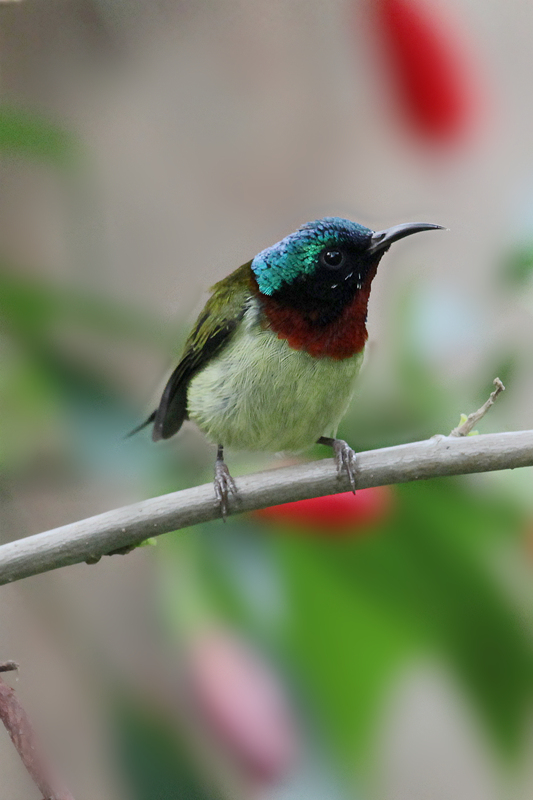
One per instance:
[(242, 701)]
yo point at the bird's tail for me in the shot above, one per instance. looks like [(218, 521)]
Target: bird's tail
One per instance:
[(141, 426)]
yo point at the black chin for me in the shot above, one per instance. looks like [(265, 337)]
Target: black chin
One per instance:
[(322, 296)]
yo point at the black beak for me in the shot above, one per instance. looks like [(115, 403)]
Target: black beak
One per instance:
[(380, 240)]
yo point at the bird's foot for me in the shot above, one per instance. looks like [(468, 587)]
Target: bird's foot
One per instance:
[(223, 483), (345, 460), (345, 457)]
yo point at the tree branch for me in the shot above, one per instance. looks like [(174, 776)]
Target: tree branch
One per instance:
[(23, 737), (91, 538)]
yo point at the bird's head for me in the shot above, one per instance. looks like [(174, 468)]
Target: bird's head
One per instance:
[(320, 268)]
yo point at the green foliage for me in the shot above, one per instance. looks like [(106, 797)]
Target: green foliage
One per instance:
[(356, 611), (43, 380), (518, 266), (30, 136), (359, 607), (33, 308), (153, 756)]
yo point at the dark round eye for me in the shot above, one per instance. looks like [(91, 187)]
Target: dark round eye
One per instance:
[(332, 258)]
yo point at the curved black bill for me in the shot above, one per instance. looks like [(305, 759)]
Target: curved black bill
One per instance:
[(382, 239)]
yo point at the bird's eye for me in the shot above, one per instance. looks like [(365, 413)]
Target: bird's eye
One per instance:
[(332, 258)]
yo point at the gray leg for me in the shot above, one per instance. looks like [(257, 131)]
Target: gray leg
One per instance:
[(224, 483), (345, 457)]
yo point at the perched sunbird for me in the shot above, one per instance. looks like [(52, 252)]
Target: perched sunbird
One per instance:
[(272, 360)]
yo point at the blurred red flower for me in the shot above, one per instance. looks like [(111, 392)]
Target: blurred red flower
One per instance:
[(334, 515), (433, 73)]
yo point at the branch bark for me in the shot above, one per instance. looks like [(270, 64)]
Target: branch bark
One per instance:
[(23, 737), (91, 538)]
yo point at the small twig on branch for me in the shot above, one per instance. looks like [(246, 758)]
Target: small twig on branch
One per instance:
[(23, 737), (8, 666), (464, 428), (123, 527)]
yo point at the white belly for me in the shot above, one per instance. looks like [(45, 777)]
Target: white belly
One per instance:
[(260, 394)]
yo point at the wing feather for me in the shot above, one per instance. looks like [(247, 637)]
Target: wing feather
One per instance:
[(211, 333)]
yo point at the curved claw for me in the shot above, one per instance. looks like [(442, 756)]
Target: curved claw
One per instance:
[(223, 484), (345, 459)]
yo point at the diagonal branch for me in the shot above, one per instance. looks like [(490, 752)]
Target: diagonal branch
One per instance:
[(23, 737), (91, 538)]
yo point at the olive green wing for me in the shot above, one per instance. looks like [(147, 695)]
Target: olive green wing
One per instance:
[(211, 333)]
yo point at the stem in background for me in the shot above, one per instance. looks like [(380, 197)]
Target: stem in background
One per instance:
[(464, 428), (23, 737)]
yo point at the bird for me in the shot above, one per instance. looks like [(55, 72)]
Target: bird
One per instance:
[(273, 358)]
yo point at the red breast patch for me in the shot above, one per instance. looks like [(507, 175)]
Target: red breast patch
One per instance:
[(342, 338)]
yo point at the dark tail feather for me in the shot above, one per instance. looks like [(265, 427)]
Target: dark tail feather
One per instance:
[(141, 426)]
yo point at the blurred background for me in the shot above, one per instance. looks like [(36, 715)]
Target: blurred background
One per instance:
[(376, 648)]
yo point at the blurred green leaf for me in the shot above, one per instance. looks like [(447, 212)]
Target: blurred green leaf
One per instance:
[(27, 134), (346, 641), (30, 408), (31, 307), (447, 533), (361, 607), (154, 760), (50, 385), (518, 266)]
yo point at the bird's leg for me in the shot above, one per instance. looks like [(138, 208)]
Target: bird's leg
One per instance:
[(345, 457), (224, 483)]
